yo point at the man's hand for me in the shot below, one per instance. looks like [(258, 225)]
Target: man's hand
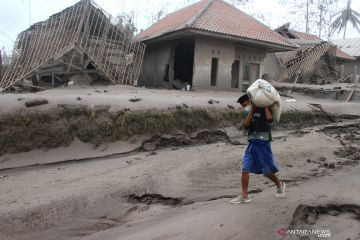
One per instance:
[(248, 118)]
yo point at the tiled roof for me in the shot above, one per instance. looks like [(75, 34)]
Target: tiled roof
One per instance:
[(351, 46), (306, 36), (215, 16), (173, 21), (343, 55)]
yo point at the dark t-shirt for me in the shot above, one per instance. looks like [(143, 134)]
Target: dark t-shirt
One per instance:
[(260, 127)]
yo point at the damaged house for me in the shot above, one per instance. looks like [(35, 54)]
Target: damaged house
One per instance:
[(82, 43), (351, 47), (315, 61), (210, 44)]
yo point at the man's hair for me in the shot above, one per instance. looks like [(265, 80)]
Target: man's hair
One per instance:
[(243, 98)]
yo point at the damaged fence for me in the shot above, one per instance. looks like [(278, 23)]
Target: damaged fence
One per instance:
[(80, 39), (310, 64)]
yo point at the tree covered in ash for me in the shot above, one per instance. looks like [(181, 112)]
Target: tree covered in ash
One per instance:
[(127, 22)]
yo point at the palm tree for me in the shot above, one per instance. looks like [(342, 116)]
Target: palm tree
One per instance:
[(343, 17)]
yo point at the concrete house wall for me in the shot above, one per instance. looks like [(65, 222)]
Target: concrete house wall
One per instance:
[(226, 52), (271, 67), (205, 50), (155, 61), (158, 64), (349, 67)]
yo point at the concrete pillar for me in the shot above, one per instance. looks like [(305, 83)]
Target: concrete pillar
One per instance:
[(171, 66), (355, 75), (241, 75)]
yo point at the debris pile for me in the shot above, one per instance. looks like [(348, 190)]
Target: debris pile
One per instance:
[(314, 64), (82, 41)]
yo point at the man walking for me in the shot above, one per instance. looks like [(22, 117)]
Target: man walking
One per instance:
[(258, 158)]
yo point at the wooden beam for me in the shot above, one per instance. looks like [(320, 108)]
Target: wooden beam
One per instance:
[(63, 51), (351, 94), (33, 86), (58, 78), (71, 72), (70, 65)]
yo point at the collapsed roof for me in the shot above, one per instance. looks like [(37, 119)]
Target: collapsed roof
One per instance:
[(313, 62), (82, 38)]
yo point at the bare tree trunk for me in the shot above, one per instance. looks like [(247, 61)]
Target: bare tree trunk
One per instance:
[(321, 19), (29, 12), (0, 64), (307, 16), (345, 31)]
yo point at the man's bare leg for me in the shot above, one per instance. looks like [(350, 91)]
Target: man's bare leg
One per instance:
[(273, 178), (245, 184)]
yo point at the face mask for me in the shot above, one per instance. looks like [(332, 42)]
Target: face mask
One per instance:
[(247, 109)]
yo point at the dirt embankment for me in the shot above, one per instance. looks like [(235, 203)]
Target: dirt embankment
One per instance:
[(22, 132), (97, 125), (336, 93)]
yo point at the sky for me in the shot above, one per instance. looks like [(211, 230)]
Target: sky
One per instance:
[(16, 15)]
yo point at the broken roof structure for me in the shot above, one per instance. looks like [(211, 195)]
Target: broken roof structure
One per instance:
[(81, 39), (314, 60)]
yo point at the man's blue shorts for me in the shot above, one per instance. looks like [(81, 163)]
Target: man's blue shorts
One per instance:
[(258, 158)]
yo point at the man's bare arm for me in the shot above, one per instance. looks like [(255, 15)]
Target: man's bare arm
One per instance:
[(268, 114)]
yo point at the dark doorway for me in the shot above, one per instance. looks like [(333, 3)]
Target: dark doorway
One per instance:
[(235, 74), (214, 70), (184, 60)]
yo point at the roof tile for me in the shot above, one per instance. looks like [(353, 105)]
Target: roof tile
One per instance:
[(351, 46), (173, 21), (215, 16), (343, 55), (306, 36)]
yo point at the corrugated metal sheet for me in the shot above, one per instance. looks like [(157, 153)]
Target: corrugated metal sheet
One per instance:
[(351, 46)]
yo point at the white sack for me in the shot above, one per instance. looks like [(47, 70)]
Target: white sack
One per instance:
[(263, 94)]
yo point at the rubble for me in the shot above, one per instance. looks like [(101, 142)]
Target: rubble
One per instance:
[(36, 102), (80, 44), (309, 64), (314, 62)]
